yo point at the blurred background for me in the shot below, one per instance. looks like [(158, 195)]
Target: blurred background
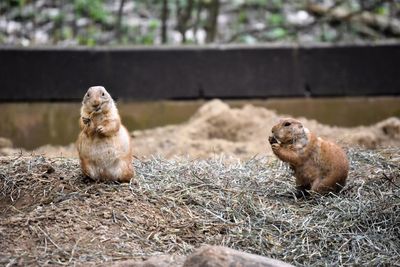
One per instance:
[(137, 22), (39, 105)]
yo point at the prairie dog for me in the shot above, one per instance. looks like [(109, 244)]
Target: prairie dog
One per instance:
[(104, 144), (319, 165)]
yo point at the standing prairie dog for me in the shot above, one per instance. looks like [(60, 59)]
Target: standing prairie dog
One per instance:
[(319, 165), (104, 144)]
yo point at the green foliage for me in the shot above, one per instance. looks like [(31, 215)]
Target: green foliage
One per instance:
[(328, 34), (149, 37), (86, 41), (67, 33), (275, 19), (59, 19), (242, 17), (185, 2), (257, 2), (277, 3), (146, 39), (276, 33), (92, 8), (154, 24), (90, 37), (382, 10), (17, 10), (16, 3), (140, 35), (248, 39), (246, 21)]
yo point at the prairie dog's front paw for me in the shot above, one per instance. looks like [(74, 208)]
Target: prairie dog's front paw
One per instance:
[(272, 140), (100, 129), (275, 146), (86, 121)]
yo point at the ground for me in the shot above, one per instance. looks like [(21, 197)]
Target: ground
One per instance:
[(52, 215), (211, 180)]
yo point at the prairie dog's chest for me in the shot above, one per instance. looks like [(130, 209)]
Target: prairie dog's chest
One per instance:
[(297, 149), (99, 148), (98, 119)]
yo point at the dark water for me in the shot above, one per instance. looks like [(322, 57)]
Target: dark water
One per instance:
[(30, 125)]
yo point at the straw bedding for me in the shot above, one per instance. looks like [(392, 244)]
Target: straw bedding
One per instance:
[(51, 214)]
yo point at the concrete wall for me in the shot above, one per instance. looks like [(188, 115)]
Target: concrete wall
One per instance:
[(198, 72)]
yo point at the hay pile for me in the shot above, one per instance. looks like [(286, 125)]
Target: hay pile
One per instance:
[(216, 128), (52, 215)]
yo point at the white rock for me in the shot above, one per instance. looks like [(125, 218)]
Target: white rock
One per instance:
[(300, 18), (13, 27), (40, 37), (82, 22), (3, 24)]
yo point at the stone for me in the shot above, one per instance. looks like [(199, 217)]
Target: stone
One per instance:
[(217, 256), (155, 261)]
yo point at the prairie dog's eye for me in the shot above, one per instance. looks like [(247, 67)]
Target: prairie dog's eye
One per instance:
[(88, 95), (103, 94), (286, 124)]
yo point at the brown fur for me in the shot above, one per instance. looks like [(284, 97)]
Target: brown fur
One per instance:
[(104, 144), (319, 165)]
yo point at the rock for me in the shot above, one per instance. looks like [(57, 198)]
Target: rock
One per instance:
[(216, 256), (208, 256), (5, 143), (156, 261)]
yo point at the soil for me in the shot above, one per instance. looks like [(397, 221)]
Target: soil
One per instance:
[(52, 215), (216, 128)]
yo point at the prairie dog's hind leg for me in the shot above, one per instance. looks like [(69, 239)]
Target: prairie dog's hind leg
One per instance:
[(122, 171), (87, 169), (302, 191), (325, 185)]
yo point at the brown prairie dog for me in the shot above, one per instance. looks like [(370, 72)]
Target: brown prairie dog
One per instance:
[(319, 165), (104, 144)]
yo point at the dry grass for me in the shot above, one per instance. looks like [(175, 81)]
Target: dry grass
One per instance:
[(51, 215)]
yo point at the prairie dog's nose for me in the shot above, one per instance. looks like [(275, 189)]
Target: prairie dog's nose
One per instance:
[(95, 103)]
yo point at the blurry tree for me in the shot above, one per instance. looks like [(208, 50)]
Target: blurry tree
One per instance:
[(118, 27), (164, 19), (211, 26), (189, 16), (111, 22), (184, 11)]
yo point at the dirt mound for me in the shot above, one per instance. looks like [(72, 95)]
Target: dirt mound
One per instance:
[(216, 128), (51, 215), (242, 133)]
